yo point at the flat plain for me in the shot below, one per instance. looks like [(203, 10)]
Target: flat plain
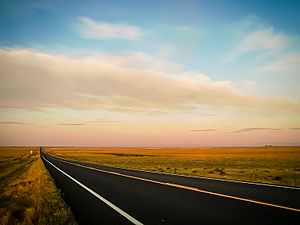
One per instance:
[(28, 194), (272, 164)]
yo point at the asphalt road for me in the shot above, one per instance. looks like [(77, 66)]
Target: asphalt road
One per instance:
[(106, 195)]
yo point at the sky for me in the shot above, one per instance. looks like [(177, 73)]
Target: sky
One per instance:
[(149, 73)]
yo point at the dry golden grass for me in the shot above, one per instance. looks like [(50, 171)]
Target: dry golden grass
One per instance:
[(276, 165), (28, 194), (13, 162)]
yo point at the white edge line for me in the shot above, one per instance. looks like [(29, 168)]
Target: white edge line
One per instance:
[(191, 176), (116, 208)]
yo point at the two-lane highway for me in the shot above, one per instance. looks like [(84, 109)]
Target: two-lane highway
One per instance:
[(106, 195)]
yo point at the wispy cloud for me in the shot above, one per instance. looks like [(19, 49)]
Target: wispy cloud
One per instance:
[(139, 60), (14, 123), (90, 122), (258, 40), (104, 121), (157, 113), (71, 124), (256, 129), (91, 29), (286, 65), (202, 130), (206, 114)]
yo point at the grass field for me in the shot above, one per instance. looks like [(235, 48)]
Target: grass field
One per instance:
[(27, 192), (275, 165)]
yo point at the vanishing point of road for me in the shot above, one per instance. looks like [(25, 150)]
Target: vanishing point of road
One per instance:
[(106, 195)]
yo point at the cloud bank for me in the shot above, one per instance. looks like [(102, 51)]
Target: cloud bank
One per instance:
[(32, 80)]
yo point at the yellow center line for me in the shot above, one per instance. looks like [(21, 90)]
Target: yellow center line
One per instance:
[(183, 187)]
